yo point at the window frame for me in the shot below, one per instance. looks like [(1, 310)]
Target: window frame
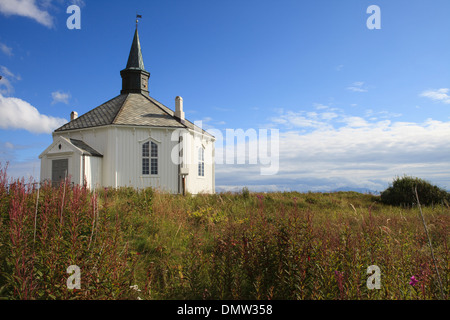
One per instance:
[(201, 162), (151, 154)]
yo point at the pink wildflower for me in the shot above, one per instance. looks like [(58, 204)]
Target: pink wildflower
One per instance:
[(413, 281)]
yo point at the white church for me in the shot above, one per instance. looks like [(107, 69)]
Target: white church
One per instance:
[(132, 140)]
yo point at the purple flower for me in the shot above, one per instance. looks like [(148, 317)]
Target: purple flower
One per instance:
[(413, 281)]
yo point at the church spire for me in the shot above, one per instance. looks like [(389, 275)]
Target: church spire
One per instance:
[(134, 76), (135, 60)]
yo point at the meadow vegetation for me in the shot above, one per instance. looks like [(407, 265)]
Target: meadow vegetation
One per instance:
[(152, 245)]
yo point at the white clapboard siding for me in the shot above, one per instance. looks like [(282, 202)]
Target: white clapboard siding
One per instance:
[(93, 172), (96, 138), (55, 152), (196, 184), (121, 164), (127, 158)]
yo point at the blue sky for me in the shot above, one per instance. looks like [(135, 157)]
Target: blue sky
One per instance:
[(354, 107)]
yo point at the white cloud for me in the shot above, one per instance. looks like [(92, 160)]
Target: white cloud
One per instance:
[(208, 123), (6, 87), (339, 67), (5, 72), (29, 169), (9, 145), (373, 116), (20, 160), (357, 87), (6, 50), (300, 119), (328, 115), (19, 114), (354, 122), (79, 3), (320, 152), (440, 95), (319, 106), (60, 97), (28, 9)]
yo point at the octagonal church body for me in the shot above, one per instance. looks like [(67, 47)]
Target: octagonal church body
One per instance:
[(132, 140)]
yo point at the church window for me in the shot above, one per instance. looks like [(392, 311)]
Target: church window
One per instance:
[(201, 162), (150, 158)]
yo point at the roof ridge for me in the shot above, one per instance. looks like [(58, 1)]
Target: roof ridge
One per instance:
[(173, 113), (121, 108), (85, 116), (134, 109), (84, 147), (159, 105)]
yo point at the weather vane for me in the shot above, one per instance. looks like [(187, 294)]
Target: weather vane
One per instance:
[(138, 16)]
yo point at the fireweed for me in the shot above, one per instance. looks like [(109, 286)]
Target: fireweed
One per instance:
[(34, 256), (221, 246)]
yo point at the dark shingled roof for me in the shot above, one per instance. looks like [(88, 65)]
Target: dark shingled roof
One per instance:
[(132, 109), (86, 149)]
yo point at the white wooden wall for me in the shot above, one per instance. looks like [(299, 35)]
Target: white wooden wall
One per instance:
[(56, 154), (93, 171), (194, 183), (121, 165), (124, 163)]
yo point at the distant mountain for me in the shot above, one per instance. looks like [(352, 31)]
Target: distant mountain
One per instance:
[(359, 190), (237, 189)]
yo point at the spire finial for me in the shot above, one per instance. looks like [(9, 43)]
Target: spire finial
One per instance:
[(134, 76), (138, 16)]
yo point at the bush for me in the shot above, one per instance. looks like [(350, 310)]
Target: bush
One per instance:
[(402, 192), (245, 193)]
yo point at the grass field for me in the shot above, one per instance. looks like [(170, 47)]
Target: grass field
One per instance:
[(153, 245)]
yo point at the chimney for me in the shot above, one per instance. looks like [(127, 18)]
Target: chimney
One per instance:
[(73, 115), (179, 113)]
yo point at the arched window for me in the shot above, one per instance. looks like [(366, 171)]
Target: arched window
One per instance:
[(150, 158), (201, 162)]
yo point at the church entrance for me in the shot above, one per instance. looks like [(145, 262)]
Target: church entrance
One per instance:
[(59, 170)]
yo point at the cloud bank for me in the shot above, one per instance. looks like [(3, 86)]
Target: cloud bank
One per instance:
[(28, 9), (327, 150), (19, 114), (440, 95)]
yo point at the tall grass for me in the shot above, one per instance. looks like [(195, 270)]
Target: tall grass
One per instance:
[(291, 246), (150, 245), (42, 232)]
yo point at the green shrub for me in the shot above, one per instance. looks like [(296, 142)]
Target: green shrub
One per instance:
[(245, 193), (402, 192)]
